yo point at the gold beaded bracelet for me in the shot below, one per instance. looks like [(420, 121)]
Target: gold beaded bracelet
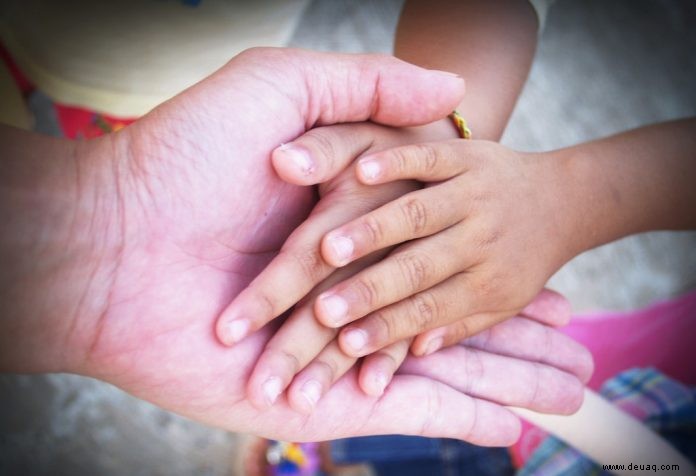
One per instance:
[(460, 124)]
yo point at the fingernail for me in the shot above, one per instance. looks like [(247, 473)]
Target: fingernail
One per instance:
[(356, 339), (342, 247), (237, 330), (311, 390), (271, 389), (334, 307), (380, 382), (369, 169), (299, 157), (433, 346)]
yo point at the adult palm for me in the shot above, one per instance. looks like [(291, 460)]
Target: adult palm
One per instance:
[(194, 211)]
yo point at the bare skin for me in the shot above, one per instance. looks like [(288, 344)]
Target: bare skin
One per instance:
[(489, 43), (472, 252), (120, 253)]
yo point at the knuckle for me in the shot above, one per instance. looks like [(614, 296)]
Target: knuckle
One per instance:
[(416, 268), (323, 144), (390, 356), (415, 215), (486, 287), (428, 158), (461, 331), (373, 228), (368, 290), (328, 367), (387, 330), (489, 238), (402, 160), (254, 52), (474, 370), (394, 353), (292, 361), (426, 311), (310, 263), (266, 306)]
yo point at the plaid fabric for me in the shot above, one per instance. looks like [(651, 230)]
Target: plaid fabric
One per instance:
[(665, 405)]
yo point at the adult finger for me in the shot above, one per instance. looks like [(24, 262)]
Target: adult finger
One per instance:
[(504, 380), (518, 337), (411, 405), (548, 307)]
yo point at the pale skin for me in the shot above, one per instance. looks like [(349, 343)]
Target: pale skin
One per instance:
[(466, 266), (120, 253)]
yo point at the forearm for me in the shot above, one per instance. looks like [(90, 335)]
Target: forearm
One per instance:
[(489, 43), (637, 181), (49, 207)]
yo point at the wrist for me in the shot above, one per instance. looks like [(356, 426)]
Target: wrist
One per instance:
[(584, 216), (61, 221), (564, 187)]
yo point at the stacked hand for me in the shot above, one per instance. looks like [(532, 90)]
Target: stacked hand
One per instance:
[(182, 209), (470, 259)]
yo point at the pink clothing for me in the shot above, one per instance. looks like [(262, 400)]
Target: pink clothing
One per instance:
[(662, 336)]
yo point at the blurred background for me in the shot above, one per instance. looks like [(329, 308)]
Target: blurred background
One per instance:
[(601, 67)]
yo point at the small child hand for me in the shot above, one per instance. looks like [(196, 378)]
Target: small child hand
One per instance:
[(479, 242)]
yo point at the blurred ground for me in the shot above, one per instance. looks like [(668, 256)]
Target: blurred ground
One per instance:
[(601, 67)]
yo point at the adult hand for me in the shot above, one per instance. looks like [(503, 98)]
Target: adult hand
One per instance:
[(175, 214)]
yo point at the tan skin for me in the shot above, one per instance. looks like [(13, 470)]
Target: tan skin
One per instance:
[(485, 260), (469, 267)]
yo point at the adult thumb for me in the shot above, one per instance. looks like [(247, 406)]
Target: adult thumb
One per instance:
[(331, 88)]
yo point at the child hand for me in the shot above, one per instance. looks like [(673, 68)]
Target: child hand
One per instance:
[(299, 267), (478, 244)]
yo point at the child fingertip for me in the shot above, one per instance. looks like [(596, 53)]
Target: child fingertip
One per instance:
[(370, 170), (304, 399), (232, 331), (373, 382), (337, 249)]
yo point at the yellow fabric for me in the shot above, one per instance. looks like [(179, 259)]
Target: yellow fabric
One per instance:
[(13, 112), (125, 57)]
